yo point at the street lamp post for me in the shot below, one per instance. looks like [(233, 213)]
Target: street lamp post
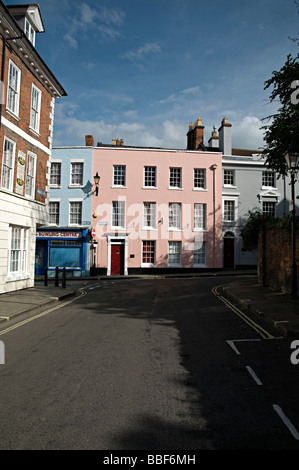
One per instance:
[(96, 182), (292, 160), (214, 167)]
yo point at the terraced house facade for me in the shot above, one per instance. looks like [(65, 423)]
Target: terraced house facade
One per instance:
[(26, 128), (156, 210)]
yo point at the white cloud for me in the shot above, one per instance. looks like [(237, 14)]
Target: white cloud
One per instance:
[(103, 20), (181, 95), (69, 130), (247, 133), (169, 133), (137, 56)]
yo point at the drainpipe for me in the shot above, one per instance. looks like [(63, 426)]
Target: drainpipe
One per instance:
[(2, 68), (213, 167)]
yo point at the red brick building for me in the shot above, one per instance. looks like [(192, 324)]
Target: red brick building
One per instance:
[(29, 90)]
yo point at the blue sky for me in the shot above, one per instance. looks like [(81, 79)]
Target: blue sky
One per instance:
[(141, 70)]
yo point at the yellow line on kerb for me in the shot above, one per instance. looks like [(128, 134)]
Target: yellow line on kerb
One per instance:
[(42, 314), (249, 321)]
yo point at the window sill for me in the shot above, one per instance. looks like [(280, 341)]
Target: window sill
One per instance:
[(17, 277), (199, 189), (171, 188), (34, 131), (149, 187), (9, 191), (12, 114), (118, 186)]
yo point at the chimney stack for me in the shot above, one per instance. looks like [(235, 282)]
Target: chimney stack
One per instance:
[(118, 142), (89, 142), (214, 139), (195, 135), (225, 140)]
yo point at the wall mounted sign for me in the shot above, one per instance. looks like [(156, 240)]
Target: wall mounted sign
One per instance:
[(58, 234), (20, 173)]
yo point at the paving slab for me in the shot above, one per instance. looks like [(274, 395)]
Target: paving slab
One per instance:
[(277, 308), (26, 300)]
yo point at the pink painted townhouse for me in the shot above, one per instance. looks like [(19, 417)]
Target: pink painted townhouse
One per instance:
[(155, 210)]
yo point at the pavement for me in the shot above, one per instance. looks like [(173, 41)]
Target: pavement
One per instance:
[(31, 300), (276, 308)]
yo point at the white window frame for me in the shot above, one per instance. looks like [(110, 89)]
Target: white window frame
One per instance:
[(230, 199), (200, 254), (36, 97), (177, 251), (57, 213), (200, 216), (30, 178), (199, 181), (17, 253), (119, 176), (71, 202), (175, 178), (150, 175), (9, 169), (175, 216), (229, 175), (149, 216), (29, 31), (118, 214), (271, 204), (266, 175), (55, 185), (152, 253), (13, 104), (73, 174)]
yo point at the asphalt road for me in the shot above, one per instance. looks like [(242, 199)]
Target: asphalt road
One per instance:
[(158, 364)]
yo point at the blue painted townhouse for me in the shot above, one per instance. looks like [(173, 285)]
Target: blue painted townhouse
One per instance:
[(65, 241)]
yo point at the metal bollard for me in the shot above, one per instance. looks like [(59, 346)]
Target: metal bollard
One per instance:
[(46, 277), (56, 277), (64, 278)]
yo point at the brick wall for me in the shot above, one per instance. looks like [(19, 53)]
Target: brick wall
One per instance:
[(275, 258), (23, 123)]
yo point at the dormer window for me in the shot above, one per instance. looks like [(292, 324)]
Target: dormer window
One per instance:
[(29, 31), (28, 18)]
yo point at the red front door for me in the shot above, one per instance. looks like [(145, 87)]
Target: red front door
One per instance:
[(117, 259)]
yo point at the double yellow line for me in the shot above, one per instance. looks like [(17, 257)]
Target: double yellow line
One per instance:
[(263, 333), (42, 314)]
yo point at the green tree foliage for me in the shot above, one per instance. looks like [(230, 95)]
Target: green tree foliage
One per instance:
[(250, 232), (283, 128), (257, 222)]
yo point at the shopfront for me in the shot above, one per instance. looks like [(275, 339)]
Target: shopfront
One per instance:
[(69, 248)]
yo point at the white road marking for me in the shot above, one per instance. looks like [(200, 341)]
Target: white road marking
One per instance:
[(287, 422), (42, 314), (253, 375), (232, 345)]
